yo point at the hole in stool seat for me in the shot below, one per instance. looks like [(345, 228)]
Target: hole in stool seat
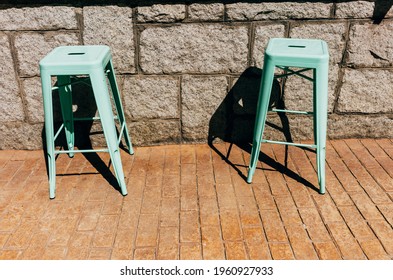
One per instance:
[(76, 53), (295, 46)]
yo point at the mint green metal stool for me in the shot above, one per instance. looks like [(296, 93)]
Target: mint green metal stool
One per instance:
[(82, 63), (306, 54)]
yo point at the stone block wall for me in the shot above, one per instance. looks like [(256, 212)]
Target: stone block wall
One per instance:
[(189, 71)]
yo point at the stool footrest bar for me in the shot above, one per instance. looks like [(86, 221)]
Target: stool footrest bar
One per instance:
[(312, 146), (82, 151), (58, 132), (87, 119), (92, 118), (292, 111), (121, 134)]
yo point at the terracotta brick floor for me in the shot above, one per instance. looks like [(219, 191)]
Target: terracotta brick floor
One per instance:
[(188, 202)]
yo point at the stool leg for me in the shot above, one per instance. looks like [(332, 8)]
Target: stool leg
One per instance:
[(119, 106), (104, 107), (262, 108), (49, 131), (65, 94), (320, 121)]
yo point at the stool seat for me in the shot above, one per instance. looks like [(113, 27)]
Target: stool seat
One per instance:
[(75, 60), (306, 54), (297, 52), (68, 64)]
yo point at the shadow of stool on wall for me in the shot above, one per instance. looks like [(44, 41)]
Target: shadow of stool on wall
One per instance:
[(234, 119)]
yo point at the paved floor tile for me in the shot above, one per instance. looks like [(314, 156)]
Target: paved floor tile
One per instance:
[(192, 202)]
